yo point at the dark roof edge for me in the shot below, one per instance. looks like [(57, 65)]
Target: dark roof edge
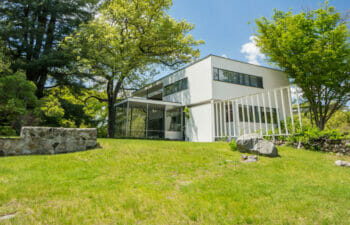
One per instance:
[(199, 60)]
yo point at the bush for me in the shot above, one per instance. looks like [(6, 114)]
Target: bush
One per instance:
[(7, 131), (312, 138), (233, 145)]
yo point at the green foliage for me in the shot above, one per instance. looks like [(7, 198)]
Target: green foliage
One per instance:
[(7, 131), (32, 30), (313, 48), (121, 47), (4, 60), (187, 112), (340, 121), (17, 96), (233, 145), (67, 108), (51, 107), (313, 138)]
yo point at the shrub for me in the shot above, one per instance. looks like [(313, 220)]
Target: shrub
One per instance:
[(233, 145), (313, 138), (7, 131)]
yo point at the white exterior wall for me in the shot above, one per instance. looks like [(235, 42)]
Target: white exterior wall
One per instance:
[(224, 91), (202, 89), (199, 77), (199, 125)]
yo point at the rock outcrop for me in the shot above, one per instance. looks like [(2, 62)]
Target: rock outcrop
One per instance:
[(49, 140), (254, 143)]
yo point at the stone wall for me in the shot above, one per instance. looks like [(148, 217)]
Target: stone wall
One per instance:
[(49, 140), (323, 144)]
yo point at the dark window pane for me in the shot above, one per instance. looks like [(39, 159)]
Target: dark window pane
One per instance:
[(175, 87), (262, 114), (237, 78), (259, 82), (253, 81), (216, 74), (240, 113)]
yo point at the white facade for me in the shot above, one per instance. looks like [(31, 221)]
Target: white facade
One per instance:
[(203, 90)]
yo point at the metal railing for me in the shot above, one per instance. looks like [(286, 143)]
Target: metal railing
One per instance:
[(269, 113)]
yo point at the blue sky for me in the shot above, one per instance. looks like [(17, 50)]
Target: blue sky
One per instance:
[(223, 24)]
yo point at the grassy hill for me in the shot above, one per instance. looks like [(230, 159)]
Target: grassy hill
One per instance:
[(163, 182)]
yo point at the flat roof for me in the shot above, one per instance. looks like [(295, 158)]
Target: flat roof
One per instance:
[(199, 60), (149, 101)]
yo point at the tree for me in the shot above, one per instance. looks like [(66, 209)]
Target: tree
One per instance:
[(120, 47), (17, 95), (4, 60), (313, 49), (66, 107), (32, 30)]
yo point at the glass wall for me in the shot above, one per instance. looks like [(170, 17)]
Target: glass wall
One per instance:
[(238, 78), (173, 120), (175, 87), (144, 120)]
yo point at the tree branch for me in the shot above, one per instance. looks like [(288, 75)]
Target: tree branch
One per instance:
[(98, 98)]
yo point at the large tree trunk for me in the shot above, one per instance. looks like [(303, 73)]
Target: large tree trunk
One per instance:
[(111, 109), (38, 77), (112, 93)]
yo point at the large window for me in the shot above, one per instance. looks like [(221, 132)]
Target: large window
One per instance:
[(243, 114), (238, 78), (173, 120), (175, 87)]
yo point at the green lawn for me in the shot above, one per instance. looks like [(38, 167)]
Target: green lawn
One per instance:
[(163, 182)]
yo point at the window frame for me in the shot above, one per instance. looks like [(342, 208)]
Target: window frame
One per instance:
[(176, 86), (234, 77)]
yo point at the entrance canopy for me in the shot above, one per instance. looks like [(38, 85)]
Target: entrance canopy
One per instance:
[(145, 118)]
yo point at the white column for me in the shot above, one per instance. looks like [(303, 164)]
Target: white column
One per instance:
[(265, 117), (271, 114), (216, 119), (229, 118), (253, 110), (290, 108), (243, 117), (248, 114), (284, 112), (259, 111), (224, 119), (220, 115), (212, 119), (301, 125), (234, 125), (277, 112), (237, 118)]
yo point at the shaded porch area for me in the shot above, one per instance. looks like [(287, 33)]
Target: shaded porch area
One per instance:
[(150, 119)]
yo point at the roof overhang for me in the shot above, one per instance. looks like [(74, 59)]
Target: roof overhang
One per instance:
[(149, 101)]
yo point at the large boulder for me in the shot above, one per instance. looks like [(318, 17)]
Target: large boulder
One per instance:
[(256, 144)]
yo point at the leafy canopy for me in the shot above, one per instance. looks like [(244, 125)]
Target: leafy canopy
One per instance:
[(32, 30), (16, 95), (313, 48), (121, 46)]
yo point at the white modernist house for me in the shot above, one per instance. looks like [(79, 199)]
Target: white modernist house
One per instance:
[(221, 98)]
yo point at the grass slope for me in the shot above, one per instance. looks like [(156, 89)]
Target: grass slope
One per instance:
[(163, 182)]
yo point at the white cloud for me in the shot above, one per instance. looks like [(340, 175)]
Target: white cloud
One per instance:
[(252, 52), (224, 55)]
